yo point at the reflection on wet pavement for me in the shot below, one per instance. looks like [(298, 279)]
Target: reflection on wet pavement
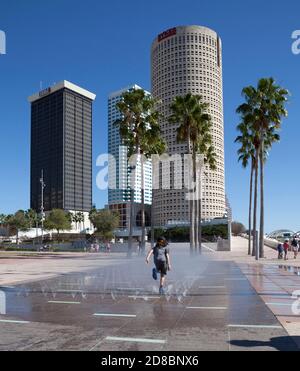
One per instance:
[(208, 305)]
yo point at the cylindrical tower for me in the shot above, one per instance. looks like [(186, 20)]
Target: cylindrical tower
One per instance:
[(189, 60)]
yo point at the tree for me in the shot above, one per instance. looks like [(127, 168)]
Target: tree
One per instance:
[(92, 213), (19, 222), (140, 132), (2, 220), (263, 112), (33, 220), (238, 228), (81, 219), (105, 221), (247, 155), (195, 124), (32, 217), (59, 220), (74, 219), (6, 222)]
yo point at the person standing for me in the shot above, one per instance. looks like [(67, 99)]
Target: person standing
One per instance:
[(161, 254)]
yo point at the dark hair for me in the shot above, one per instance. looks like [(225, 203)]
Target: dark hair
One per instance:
[(164, 240)]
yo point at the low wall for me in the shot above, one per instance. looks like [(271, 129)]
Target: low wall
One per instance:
[(271, 243), (223, 245)]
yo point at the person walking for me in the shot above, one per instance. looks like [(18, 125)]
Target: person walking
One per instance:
[(161, 254), (280, 251), (286, 247), (108, 247), (295, 247)]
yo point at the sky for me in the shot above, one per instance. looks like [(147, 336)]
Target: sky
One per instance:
[(104, 46)]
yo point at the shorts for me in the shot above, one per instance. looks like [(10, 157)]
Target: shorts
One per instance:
[(161, 267)]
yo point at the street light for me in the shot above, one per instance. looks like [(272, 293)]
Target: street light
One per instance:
[(132, 168), (43, 185)]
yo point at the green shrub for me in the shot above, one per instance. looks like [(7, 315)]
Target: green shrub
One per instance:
[(182, 234)]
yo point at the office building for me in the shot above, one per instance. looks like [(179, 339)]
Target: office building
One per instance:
[(119, 196), (189, 60), (61, 148)]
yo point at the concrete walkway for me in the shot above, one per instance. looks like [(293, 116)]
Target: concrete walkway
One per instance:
[(216, 301), (25, 267), (275, 281)]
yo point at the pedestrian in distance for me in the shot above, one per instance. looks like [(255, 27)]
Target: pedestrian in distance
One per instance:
[(295, 247), (286, 247), (280, 251), (162, 261)]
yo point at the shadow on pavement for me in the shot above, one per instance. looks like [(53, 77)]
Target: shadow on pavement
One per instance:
[(283, 343)]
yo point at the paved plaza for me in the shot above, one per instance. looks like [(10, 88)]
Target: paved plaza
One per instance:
[(101, 302)]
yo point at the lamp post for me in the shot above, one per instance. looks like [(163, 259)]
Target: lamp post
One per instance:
[(131, 223), (43, 185)]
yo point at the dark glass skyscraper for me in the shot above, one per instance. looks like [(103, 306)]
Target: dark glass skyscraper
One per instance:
[(61, 147)]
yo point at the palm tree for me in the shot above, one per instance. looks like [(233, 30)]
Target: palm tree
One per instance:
[(247, 154), (80, 217), (74, 219), (210, 161), (140, 132), (33, 220), (151, 144), (195, 129), (263, 110), (31, 215)]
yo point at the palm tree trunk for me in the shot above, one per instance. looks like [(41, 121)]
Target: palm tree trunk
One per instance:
[(143, 205), (250, 207), (262, 216), (196, 222), (191, 205), (255, 245), (192, 236), (195, 200), (200, 212)]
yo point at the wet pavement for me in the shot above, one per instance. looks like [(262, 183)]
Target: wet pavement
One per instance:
[(209, 305)]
